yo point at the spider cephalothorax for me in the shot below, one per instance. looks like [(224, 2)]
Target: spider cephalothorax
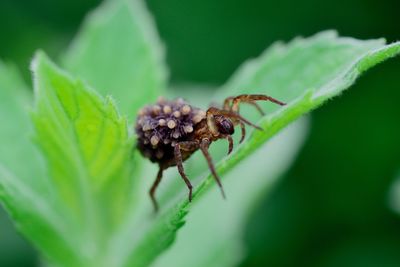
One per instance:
[(169, 132)]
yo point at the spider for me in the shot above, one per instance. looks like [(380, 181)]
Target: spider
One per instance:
[(169, 132)]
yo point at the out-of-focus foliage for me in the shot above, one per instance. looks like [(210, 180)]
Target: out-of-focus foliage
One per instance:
[(130, 69), (16, 148), (339, 206)]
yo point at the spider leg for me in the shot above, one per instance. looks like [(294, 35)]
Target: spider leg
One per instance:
[(154, 187), (257, 106), (204, 148), (251, 99), (232, 103), (185, 146), (227, 102), (231, 114), (230, 141), (243, 129)]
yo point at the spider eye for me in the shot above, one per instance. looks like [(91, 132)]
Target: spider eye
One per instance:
[(225, 126)]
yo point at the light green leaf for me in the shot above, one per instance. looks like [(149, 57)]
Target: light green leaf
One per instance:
[(119, 53), (16, 146), (22, 178), (304, 73), (88, 152)]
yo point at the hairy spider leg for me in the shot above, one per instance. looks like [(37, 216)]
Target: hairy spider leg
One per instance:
[(228, 103), (186, 146), (230, 141), (236, 118), (257, 106), (205, 143), (154, 187), (243, 129), (232, 103), (251, 99)]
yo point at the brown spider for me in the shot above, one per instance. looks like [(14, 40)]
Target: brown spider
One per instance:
[(169, 132)]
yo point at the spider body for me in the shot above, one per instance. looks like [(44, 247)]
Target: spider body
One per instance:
[(169, 132)]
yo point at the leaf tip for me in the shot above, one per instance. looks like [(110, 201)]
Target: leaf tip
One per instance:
[(34, 66), (38, 57)]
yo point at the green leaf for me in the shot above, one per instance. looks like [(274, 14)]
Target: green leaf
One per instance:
[(22, 178), (119, 53), (16, 146), (304, 73), (86, 145)]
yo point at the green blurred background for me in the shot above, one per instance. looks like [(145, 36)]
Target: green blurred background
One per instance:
[(331, 208)]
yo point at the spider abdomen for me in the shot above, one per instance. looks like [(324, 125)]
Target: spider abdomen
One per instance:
[(160, 126)]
